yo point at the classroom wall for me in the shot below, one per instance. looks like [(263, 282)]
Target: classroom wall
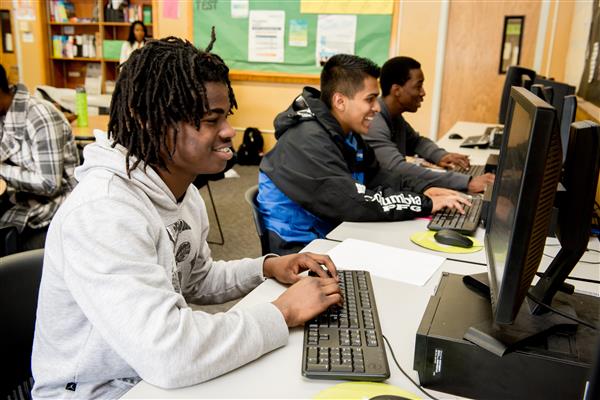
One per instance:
[(419, 24), (578, 38), (418, 29), (32, 45), (181, 26)]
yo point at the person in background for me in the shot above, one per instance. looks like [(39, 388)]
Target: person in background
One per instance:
[(38, 156), (392, 138), (138, 35), (127, 250), (321, 172)]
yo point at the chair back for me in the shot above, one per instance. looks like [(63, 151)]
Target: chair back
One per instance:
[(250, 196), (20, 276), (9, 240)]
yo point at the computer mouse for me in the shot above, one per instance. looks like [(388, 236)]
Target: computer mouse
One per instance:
[(389, 397), (454, 136), (452, 238)]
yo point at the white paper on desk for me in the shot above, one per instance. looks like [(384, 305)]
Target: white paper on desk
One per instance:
[(386, 262)]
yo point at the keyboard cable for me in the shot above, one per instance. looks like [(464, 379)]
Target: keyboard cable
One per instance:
[(404, 373)]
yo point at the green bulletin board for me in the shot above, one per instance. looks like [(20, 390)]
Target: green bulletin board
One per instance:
[(372, 36)]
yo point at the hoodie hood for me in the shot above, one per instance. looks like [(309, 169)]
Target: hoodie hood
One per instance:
[(306, 107), (101, 156)]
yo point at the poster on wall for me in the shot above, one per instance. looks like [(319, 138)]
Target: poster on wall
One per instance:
[(265, 36), (24, 10), (336, 34), (589, 88)]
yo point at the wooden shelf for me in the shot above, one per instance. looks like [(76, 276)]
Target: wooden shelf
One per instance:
[(74, 23), (71, 71), (76, 59), (276, 77), (126, 24)]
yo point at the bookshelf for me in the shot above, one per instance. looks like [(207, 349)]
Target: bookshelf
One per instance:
[(86, 36)]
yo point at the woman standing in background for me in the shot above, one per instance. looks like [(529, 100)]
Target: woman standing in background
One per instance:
[(137, 38)]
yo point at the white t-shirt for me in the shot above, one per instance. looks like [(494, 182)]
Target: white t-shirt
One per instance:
[(128, 48)]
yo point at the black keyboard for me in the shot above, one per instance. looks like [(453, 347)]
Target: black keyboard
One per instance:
[(346, 342), (474, 170), (466, 223)]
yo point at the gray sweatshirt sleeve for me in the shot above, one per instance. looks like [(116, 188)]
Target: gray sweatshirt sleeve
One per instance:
[(389, 156), (424, 147), (380, 139)]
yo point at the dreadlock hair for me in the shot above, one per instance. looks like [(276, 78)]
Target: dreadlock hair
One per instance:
[(345, 74), (396, 71), (161, 85)]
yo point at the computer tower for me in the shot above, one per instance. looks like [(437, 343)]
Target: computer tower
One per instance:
[(556, 366)]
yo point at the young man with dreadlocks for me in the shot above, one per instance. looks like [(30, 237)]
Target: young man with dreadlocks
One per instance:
[(128, 247), (321, 172)]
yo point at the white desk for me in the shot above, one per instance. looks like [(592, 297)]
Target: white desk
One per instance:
[(466, 129), (277, 374), (397, 234)]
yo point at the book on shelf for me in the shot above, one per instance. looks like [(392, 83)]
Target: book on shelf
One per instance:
[(74, 46), (130, 13), (64, 11)]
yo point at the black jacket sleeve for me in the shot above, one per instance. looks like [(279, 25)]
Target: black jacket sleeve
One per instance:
[(310, 169)]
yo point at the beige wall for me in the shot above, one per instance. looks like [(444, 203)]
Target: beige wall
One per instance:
[(181, 27), (419, 24), (258, 104), (557, 40), (34, 64)]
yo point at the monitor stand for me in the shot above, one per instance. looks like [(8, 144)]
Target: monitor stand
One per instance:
[(555, 365), (499, 339)]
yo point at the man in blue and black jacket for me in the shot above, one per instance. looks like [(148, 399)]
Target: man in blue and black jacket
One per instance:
[(321, 172)]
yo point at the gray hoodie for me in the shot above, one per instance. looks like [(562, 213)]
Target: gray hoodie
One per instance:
[(121, 259)]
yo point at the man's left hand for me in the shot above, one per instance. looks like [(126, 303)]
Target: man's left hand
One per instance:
[(451, 160), (286, 269)]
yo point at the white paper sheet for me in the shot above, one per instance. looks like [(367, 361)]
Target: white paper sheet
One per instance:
[(336, 34), (240, 8), (386, 262), (265, 36)]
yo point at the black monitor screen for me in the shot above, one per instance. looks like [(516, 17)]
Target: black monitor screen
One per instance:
[(508, 190), (523, 196)]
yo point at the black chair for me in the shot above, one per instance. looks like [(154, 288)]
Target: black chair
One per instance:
[(20, 276), (250, 196), (9, 240)]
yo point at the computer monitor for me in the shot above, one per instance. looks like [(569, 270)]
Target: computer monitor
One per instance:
[(522, 201), (567, 117), (515, 76), (575, 209), (526, 82), (559, 89), (542, 92)]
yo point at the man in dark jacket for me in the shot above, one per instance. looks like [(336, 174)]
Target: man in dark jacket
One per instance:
[(321, 172), (392, 138)]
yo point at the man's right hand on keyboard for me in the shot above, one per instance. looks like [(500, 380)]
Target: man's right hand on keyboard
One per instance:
[(447, 198), (307, 298), (477, 184)]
